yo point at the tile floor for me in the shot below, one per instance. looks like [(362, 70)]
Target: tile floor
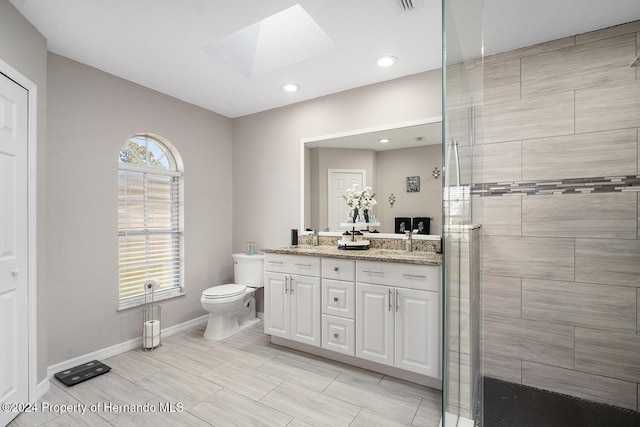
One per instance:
[(243, 381)]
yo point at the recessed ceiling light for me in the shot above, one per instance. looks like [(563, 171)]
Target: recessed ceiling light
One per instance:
[(291, 87), (385, 140), (386, 61)]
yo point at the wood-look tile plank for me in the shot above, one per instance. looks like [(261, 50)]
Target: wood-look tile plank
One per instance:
[(535, 341), (76, 419), (603, 215), (399, 408), (579, 384), (111, 388), (227, 408), (518, 120), (612, 354), (502, 367), (608, 261), (597, 154), (502, 296), (55, 396), (310, 406), (349, 372), (608, 107), (312, 377), (368, 418), (501, 162), (580, 304), (574, 67), (533, 257), (530, 50), (176, 385), (166, 417), (616, 30), (502, 216), (134, 365), (188, 359), (428, 414), (242, 380), (501, 81)]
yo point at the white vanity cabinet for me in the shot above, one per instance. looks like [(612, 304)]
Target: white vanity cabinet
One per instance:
[(292, 297), (398, 315), (338, 305)]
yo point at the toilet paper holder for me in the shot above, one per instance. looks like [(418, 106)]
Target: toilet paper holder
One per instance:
[(151, 330)]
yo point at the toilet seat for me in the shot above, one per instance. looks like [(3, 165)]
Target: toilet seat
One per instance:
[(224, 291)]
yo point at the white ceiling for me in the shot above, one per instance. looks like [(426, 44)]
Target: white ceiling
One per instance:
[(159, 43)]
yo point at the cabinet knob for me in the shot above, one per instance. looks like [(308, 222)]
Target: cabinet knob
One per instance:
[(336, 335), (336, 269), (335, 299)]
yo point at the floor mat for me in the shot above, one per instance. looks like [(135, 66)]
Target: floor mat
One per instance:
[(82, 372), (509, 404)]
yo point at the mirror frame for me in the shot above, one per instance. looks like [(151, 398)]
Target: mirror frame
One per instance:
[(302, 230)]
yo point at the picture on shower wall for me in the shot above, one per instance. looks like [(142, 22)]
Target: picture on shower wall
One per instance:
[(413, 184)]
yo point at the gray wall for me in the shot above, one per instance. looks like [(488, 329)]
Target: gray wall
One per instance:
[(91, 114), (394, 166), (323, 159), (266, 148), (562, 272), (25, 49)]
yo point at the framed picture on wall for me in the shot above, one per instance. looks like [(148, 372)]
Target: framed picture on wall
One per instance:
[(413, 184), (422, 224), (402, 224)]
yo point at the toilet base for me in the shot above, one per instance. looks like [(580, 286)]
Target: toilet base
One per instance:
[(222, 327)]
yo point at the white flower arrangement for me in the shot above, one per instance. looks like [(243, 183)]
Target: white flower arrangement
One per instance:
[(360, 199)]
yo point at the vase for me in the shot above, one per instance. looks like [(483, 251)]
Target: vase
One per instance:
[(366, 215), (355, 215)]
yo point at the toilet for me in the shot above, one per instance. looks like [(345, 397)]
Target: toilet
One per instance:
[(232, 307)]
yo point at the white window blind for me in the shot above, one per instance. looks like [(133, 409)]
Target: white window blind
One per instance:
[(150, 236)]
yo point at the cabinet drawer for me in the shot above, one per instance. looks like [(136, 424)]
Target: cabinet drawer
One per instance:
[(338, 298), (338, 334), (292, 264), (412, 276), (339, 269)]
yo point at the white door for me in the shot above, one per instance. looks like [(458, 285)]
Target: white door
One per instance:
[(340, 180), (14, 304), (305, 309), (417, 327), (374, 323), (276, 305)]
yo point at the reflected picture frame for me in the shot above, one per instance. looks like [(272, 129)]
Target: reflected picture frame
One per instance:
[(413, 184)]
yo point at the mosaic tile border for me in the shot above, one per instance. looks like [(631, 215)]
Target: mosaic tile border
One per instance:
[(609, 184)]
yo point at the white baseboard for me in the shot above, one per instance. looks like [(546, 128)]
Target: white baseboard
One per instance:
[(42, 388), (122, 347)]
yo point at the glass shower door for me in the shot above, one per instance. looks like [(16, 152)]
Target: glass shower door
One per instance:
[(462, 213)]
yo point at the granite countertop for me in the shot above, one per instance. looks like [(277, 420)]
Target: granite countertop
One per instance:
[(373, 254)]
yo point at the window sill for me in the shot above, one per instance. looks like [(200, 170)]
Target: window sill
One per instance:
[(140, 301)]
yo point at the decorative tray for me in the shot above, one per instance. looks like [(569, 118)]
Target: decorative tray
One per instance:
[(350, 244)]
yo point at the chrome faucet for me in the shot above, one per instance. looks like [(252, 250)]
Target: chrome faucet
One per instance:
[(409, 242)]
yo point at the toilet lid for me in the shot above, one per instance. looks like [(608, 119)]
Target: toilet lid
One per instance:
[(224, 291)]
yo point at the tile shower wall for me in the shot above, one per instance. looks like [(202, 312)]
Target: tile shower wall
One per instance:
[(561, 214)]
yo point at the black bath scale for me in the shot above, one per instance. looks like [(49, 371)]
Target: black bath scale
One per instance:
[(83, 372)]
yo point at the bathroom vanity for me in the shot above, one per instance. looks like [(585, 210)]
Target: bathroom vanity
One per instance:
[(379, 309)]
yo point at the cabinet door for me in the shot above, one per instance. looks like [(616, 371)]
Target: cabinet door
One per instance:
[(374, 323), (276, 305), (305, 309), (417, 331)]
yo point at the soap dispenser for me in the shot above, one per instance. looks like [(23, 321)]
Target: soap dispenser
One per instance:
[(314, 238)]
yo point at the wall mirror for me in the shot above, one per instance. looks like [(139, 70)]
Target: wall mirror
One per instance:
[(397, 161)]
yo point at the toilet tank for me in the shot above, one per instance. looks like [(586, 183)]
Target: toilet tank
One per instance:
[(248, 270)]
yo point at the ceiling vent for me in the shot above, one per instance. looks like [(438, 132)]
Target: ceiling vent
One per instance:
[(409, 5)]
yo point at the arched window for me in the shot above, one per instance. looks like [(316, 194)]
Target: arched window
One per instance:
[(150, 225)]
